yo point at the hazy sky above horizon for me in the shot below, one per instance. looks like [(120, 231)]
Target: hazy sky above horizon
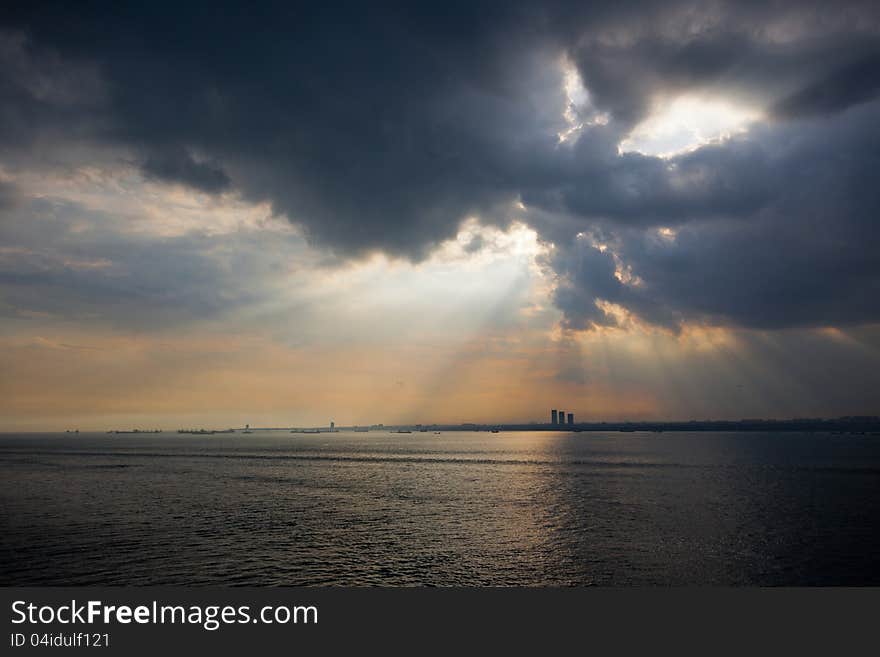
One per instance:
[(213, 215)]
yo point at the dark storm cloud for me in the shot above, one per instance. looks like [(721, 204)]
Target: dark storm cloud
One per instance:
[(373, 128), (381, 127), (178, 166), (855, 83), (635, 189), (802, 252), (626, 76)]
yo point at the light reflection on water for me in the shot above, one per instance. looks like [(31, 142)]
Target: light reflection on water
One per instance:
[(460, 508)]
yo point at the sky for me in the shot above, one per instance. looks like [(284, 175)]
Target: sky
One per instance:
[(283, 214)]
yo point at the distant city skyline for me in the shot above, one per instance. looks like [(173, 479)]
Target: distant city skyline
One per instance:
[(871, 422)]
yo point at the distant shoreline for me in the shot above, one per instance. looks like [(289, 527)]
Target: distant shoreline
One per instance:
[(858, 425), (842, 425)]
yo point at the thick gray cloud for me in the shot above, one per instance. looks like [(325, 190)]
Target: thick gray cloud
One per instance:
[(854, 83), (375, 129), (793, 241), (180, 167), (381, 127)]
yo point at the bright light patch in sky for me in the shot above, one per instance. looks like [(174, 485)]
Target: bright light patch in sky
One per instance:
[(578, 111), (686, 123)]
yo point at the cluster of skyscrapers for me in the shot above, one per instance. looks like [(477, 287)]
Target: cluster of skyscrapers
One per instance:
[(557, 418)]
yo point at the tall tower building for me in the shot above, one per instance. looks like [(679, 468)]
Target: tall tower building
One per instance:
[(553, 416), (561, 417), (571, 418)]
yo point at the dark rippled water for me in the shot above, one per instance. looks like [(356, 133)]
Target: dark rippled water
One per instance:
[(454, 509)]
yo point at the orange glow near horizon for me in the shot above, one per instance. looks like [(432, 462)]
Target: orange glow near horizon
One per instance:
[(292, 336)]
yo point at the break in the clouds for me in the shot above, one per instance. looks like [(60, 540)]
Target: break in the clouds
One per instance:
[(381, 127)]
